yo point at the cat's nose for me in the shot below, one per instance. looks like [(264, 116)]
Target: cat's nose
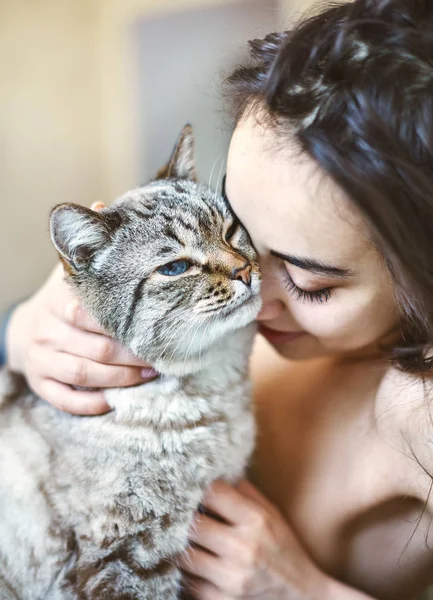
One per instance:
[(243, 274)]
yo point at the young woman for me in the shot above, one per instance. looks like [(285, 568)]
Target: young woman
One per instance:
[(331, 171)]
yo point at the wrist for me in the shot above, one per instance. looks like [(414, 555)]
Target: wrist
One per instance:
[(13, 332), (336, 590)]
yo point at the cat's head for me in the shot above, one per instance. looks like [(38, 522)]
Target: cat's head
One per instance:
[(167, 269)]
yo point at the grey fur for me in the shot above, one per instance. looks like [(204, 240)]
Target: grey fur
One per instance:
[(99, 507)]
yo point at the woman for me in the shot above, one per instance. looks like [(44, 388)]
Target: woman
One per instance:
[(331, 171)]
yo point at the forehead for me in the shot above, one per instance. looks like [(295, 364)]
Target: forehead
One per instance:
[(287, 202)]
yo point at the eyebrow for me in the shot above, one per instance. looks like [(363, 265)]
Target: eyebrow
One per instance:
[(314, 266)]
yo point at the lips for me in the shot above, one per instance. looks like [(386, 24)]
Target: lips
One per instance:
[(279, 337)]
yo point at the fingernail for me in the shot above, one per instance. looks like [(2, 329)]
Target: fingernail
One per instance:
[(148, 373)]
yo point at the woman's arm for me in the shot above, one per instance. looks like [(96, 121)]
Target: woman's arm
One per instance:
[(339, 591), (250, 551), (4, 324), (56, 345)]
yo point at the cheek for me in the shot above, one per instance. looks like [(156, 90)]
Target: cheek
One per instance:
[(349, 319)]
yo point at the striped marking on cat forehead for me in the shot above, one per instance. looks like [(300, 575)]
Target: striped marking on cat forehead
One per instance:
[(192, 211), (183, 211), (188, 196), (189, 222)]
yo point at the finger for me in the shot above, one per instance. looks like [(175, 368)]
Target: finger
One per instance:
[(66, 305), (216, 537), (248, 490), (57, 277), (58, 291), (202, 590), (74, 313), (71, 401), (220, 573), (97, 206), (82, 372), (229, 503), (94, 346)]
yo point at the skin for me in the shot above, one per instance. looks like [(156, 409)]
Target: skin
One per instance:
[(336, 491)]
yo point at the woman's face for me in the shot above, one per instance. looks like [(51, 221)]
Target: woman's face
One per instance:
[(325, 287)]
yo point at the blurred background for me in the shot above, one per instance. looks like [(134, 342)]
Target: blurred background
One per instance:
[(93, 95)]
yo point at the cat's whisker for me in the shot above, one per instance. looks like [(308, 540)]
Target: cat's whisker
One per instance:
[(211, 174), (217, 187), (208, 324), (170, 335), (175, 314), (194, 324), (202, 320), (191, 325), (211, 321)]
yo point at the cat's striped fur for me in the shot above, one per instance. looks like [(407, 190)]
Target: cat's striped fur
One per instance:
[(100, 507)]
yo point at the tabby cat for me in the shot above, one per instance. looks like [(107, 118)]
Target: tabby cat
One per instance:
[(100, 507)]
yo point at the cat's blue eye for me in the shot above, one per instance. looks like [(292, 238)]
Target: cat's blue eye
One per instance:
[(177, 267)]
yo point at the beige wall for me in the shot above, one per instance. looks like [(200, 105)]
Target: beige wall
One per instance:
[(64, 131), (49, 129)]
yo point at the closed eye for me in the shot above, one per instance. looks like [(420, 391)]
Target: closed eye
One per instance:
[(231, 230), (320, 296)]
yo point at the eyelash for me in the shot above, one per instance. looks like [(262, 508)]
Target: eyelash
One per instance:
[(320, 296)]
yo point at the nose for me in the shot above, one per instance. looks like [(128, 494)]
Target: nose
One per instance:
[(271, 293), (242, 274)]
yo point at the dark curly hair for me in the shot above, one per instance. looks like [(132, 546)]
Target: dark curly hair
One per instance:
[(354, 85)]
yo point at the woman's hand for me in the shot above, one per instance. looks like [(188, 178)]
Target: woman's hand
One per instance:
[(57, 346), (253, 553)]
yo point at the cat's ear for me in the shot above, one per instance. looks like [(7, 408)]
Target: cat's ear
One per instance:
[(78, 233), (182, 162)]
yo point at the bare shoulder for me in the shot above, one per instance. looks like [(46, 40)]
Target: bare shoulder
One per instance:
[(404, 417), (405, 400)]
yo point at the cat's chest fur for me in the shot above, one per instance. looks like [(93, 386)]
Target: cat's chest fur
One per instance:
[(125, 484), (158, 463)]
